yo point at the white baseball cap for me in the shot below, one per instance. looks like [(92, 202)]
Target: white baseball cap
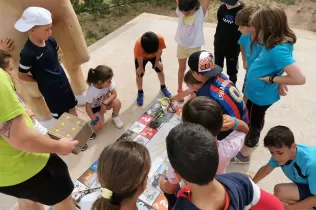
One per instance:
[(33, 16)]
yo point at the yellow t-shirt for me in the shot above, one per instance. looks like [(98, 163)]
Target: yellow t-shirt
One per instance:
[(15, 166)]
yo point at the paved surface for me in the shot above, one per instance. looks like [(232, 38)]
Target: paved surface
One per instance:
[(116, 50)]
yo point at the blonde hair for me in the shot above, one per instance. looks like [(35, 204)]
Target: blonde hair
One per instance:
[(272, 27)]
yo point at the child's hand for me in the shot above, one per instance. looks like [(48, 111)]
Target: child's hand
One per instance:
[(159, 65), (228, 123), (99, 125), (6, 45), (283, 89), (140, 71)]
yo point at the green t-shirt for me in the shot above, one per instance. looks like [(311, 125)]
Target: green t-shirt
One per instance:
[(15, 166)]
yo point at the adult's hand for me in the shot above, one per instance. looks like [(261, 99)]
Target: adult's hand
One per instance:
[(66, 146)]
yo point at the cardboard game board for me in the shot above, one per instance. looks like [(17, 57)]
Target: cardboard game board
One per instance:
[(151, 130)]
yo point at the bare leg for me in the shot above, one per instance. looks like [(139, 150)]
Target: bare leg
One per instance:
[(116, 106), (66, 204), (73, 111), (161, 76), (139, 82), (29, 205), (287, 193), (246, 151), (182, 67)]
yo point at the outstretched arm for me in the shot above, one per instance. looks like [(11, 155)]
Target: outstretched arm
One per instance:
[(19, 136), (180, 95), (262, 173)]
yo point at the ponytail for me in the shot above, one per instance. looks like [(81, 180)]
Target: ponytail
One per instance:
[(104, 204), (100, 73), (110, 200), (91, 77)]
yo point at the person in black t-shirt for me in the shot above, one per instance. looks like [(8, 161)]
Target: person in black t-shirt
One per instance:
[(227, 36), (40, 58)]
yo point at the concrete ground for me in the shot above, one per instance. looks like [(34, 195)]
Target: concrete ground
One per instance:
[(116, 50)]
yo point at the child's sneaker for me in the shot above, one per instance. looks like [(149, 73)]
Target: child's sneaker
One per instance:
[(84, 148), (92, 136), (240, 159), (140, 99), (118, 122), (180, 99), (166, 92)]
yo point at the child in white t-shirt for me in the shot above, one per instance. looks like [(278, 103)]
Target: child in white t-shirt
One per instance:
[(189, 35), (102, 96)]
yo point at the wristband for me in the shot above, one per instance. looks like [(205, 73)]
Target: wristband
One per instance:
[(271, 79), (236, 123), (105, 104), (94, 122)]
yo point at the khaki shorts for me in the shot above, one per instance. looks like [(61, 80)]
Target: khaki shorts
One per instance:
[(183, 53)]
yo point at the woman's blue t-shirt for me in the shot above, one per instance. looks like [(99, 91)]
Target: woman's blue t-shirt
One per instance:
[(251, 55), (270, 62)]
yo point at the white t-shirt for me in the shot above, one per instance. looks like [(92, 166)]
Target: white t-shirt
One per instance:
[(191, 36), (96, 96), (227, 149)]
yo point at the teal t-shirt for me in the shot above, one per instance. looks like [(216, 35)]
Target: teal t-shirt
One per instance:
[(15, 166), (304, 172), (251, 55), (270, 62)]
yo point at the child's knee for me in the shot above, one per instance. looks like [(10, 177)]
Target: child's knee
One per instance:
[(278, 191), (116, 102)]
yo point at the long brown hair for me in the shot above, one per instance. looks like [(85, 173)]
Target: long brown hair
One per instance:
[(123, 168), (272, 27)]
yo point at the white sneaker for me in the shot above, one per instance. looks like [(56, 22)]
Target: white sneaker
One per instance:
[(118, 122)]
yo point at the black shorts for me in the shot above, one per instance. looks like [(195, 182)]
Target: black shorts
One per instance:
[(49, 186), (304, 191), (60, 100), (96, 109), (152, 61)]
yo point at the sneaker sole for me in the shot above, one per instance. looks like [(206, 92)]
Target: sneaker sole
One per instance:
[(240, 162)]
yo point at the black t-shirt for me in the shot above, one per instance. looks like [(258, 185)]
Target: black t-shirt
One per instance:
[(43, 64), (227, 34)]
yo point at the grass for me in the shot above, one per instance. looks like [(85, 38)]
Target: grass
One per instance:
[(98, 18)]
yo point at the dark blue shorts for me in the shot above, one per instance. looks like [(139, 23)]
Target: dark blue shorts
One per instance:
[(304, 191), (60, 100)]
